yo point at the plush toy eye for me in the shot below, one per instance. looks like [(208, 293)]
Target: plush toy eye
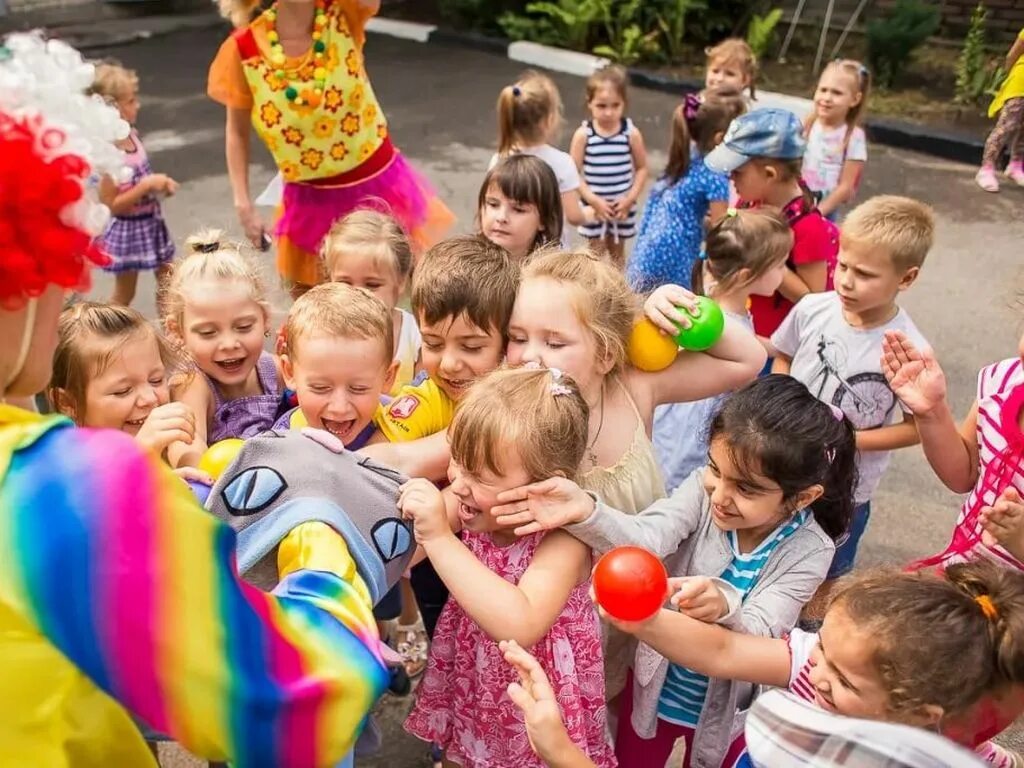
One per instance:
[(253, 491), (392, 538)]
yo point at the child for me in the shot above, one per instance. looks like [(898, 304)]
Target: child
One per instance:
[(529, 117), (136, 238), (731, 64), (832, 341), (217, 310), (1009, 105), (111, 369), (836, 147), (345, 337), (687, 194), (744, 255), (574, 311), (762, 151), (609, 151), (519, 206), (462, 295), (515, 426), (760, 517), (297, 73), (368, 249), (909, 648)]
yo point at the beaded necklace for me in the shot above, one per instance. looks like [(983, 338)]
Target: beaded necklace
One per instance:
[(277, 58)]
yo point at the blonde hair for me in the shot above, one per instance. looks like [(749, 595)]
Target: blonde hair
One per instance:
[(905, 228), (211, 258), (370, 233), (524, 108), (339, 311), (238, 12), (88, 336), (602, 299), (537, 412), (113, 81), (754, 239), (613, 75), (860, 76), (734, 50), (466, 275)]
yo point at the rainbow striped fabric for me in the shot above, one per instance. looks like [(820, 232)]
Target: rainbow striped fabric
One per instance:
[(117, 589)]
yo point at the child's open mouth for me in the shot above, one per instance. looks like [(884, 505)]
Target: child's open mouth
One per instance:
[(135, 423), (466, 513), (232, 365), (340, 429), (458, 385)]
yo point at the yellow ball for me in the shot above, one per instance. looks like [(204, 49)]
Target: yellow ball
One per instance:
[(320, 73), (219, 455), (649, 349)]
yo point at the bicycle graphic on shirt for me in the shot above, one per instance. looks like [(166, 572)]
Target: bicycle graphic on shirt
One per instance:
[(865, 398)]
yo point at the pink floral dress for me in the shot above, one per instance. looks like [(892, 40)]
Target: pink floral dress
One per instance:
[(461, 703)]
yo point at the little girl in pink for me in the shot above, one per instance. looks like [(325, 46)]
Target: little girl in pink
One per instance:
[(513, 427)]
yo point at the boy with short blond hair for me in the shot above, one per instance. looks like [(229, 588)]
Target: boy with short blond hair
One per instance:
[(832, 342)]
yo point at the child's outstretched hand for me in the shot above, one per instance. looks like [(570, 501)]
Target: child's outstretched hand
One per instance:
[(162, 184), (698, 597), (663, 308), (629, 627), (542, 506), (914, 375), (166, 424), (536, 699), (1003, 523), (420, 501)]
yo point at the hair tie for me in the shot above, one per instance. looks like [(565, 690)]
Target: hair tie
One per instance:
[(703, 255), (987, 607), (837, 412), (516, 91), (731, 212), (206, 247), (691, 106), (830, 454)]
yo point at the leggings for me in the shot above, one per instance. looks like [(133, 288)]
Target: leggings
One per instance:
[(1009, 130)]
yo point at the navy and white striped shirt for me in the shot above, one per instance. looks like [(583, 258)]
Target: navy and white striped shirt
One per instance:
[(609, 172)]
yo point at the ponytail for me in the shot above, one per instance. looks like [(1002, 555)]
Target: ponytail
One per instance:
[(776, 428), (679, 147), (506, 119), (697, 275), (700, 119), (525, 110)]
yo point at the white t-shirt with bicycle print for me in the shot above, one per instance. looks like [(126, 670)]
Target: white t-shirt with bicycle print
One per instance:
[(842, 365)]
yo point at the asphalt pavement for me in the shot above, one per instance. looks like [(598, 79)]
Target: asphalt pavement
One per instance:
[(440, 104)]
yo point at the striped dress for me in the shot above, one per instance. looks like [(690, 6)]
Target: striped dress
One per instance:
[(609, 172), (1001, 460), (684, 691)]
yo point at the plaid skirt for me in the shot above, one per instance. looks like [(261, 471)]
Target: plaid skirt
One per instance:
[(137, 242)]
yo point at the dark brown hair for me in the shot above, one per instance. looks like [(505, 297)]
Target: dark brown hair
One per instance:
[(467, 275), (754, 239), (718, 107), (612, 75), (538, 413), (934, 643), (528, 179)]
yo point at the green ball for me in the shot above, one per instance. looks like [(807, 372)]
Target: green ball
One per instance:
[(706, 329), (319, 46), (290, 93)]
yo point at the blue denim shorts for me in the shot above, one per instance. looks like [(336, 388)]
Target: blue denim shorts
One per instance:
[(846, 545)]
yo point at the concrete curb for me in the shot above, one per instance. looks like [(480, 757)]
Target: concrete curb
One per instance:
[(894, 133)]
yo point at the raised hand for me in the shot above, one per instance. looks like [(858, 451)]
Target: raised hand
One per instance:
[(663, 308), (420, 501), (1003, 523), (914, 375), (542, 506), (166, 424)]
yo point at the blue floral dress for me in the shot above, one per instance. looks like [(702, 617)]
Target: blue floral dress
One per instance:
[(672, 227)]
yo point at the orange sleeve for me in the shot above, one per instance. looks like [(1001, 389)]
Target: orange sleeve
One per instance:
[(226, 82), (356, 14)]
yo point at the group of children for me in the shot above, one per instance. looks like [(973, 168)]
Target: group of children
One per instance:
[(507, 394)]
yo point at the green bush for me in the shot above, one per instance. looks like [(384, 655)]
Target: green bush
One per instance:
[(970, 67), (893, 38), (761, 32)]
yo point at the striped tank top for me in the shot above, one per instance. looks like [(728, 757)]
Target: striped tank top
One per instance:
[(609, 172), (682, 695)]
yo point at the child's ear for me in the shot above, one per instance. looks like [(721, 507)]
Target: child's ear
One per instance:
[(909, 277), (63, 403), (173, 331), (288, 371), (924, 716), (771, 172), (389, 377), (808, 496), (717, 138)]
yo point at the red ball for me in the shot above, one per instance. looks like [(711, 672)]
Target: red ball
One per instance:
[(630, 583)]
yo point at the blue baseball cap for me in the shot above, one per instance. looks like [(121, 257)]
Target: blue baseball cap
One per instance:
[(775, 133)]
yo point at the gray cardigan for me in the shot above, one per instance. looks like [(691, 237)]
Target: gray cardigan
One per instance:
[(681, 531)]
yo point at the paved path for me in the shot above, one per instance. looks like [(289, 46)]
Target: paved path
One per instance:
[(440, 104)]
